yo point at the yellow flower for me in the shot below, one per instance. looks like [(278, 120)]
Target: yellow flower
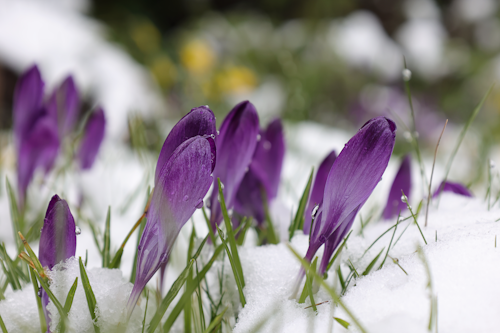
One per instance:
[(146, 37), (164, 71), (197, 56), (235, 80)]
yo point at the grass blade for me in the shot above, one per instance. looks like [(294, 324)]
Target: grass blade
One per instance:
[(390, 243), (298, 221), (372, 263), (215, 322), (271, 234), (89, 294), (41, 315), (187, 294), (309, 284), (107, 240), (230, 235), (54, 300), (14, 213), (2, 325), (71, 296), (339, 250), (413, 215), (200, 303), (342, 322), (145, 312), (210, 231), (9, 271)]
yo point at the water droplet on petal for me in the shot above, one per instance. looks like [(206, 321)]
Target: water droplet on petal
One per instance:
[(212, 136), (199, 204), (314, 211), (39, 292), (78, 230), (267, 145), (206, 106), (406, 74), (218, 132), (185, 198), (246, 169), (258, 137)]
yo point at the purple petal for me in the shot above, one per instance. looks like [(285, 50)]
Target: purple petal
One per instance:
[(318, 188), (64, 106), (58, 237), (235, 147), (199, 121), (402, 182), (249, 200), (354, 175), (27, 107), (38, 148), (182, 183), (92, 138), (452, 187)]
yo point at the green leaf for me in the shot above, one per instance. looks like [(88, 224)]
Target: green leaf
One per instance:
[(342, 322), (9, 271), (41, 315), (189, 291), (2, 325), (309, 284), (145, 312), (271, 234), (372, 263), (89, 294), (107, 240), (215, 322), (207, 220), (200, 303), (236, 274), (54, 300), (298, 221), (230, 235), (71, 295)]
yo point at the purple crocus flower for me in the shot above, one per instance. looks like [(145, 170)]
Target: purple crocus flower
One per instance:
[(452, 187), (263, 174), (57, 240), (181, 183), (318, 189), (402, 182), (64, 106), (35, 131), (352, 178), (235, 147), (92, 138)]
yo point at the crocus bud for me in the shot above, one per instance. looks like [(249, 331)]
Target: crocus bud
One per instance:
[(35, 132), (92, 138), (318, 189), (263, 175), (235, 147), (180, 186), (64, 106), (456, 188), (352, 178), (57, 240), (402, 182)]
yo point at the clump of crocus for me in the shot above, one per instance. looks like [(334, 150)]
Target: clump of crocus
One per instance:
[(93, 135), (235, 147), (453, 187), (402, 182), (57, 240), (40, 126), (351, 180), (182, 179), (318, 189), (260, 183)]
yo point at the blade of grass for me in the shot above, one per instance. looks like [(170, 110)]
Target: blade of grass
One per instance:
[(14, 213), (298, 221), (200, 302), (2, 325), (41, 315), (372, 263), (305, 290), (342, 322), (89, 294), (309, 285), (107, 240), (54, 300), (71, 295), (33, 256), (230, 235), (462, 135), (330, 290), (215, 322), (115, 263), (432, 173), (390, 243), (9, 271), (418, 212), (236, 274), (187, 294), (339, 250), (244, 229), (210, 231), (271, 234), (405, 198)]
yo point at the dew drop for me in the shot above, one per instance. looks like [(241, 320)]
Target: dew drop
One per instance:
[(406, 74), (246, 169), (314, 211), (267, 145), (403, 198), (222, 185), (206, 106), (230, 212), (258, 137), (218, 132), (78, 230), (212, 136), (492, 164), (199, 204), (185, 198), (39, 292), (407, 136)]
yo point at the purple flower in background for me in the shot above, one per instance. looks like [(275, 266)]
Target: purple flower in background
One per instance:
[(64, 106), (352, 178), (402, 182), (235, 147), (35, 131), (57, 240), (318, 189), (452, 187), (93, 135), (263, 174), (183, 177)]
